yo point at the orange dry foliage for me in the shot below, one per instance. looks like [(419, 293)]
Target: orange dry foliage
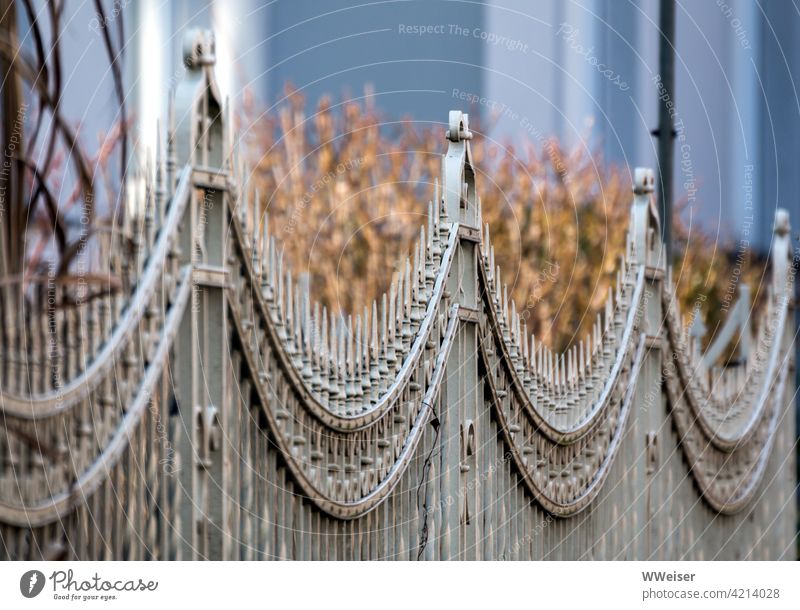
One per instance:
[(346, 192)]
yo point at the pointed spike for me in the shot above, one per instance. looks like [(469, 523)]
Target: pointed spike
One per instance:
[(246, 210), (171, 156), (336, 329), (350, 345), (264, 242), (256, 220), (598, 330), (374, 337), (161, 187), (289, 299), (384, 323), (298, 315), (574, 364), (317, 337), (324, 333), (306, 303), (401, 290), (356, 342), (365, 331), (409, 287), (414, 271), (392, 313), (514, 321), (525, 353)]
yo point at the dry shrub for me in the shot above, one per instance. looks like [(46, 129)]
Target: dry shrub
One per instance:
[(347, 190)]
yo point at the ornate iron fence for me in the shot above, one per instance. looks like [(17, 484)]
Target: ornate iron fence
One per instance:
[(212, 409)]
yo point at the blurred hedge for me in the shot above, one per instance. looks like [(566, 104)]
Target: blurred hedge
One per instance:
[(347, 189)]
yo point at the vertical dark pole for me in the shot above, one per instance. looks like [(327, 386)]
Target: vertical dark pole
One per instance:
[(12, 223), (666, 135)]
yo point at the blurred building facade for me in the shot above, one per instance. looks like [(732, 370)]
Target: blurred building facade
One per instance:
[(736, 99)]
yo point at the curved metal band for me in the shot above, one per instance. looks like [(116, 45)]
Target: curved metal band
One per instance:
[(709, 491), (89, 481), (595, 414), (352, 510), (574, 506), (79, 388), (716, 439), (307, 396)]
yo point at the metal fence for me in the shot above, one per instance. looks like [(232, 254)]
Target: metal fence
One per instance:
[(210, 408)]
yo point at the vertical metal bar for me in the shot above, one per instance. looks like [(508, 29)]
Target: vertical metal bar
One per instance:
[(666, 132)]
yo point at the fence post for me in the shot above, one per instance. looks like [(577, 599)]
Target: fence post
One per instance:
[(646, 424), (460, 414), (785, 259), (197, 139)]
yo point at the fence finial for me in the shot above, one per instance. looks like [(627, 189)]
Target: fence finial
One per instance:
[(643, 181), (199, 48), (782, 225), (459, 127), (644, 217), (782, 281), (199, 127), (460, 199)]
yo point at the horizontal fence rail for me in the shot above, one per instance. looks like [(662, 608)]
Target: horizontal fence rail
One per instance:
[(202, 405)]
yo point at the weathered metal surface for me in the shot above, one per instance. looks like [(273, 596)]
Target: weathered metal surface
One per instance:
[(219, 412)]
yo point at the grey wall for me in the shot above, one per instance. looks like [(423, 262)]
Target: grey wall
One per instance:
[(736, 74), (341, 45)]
